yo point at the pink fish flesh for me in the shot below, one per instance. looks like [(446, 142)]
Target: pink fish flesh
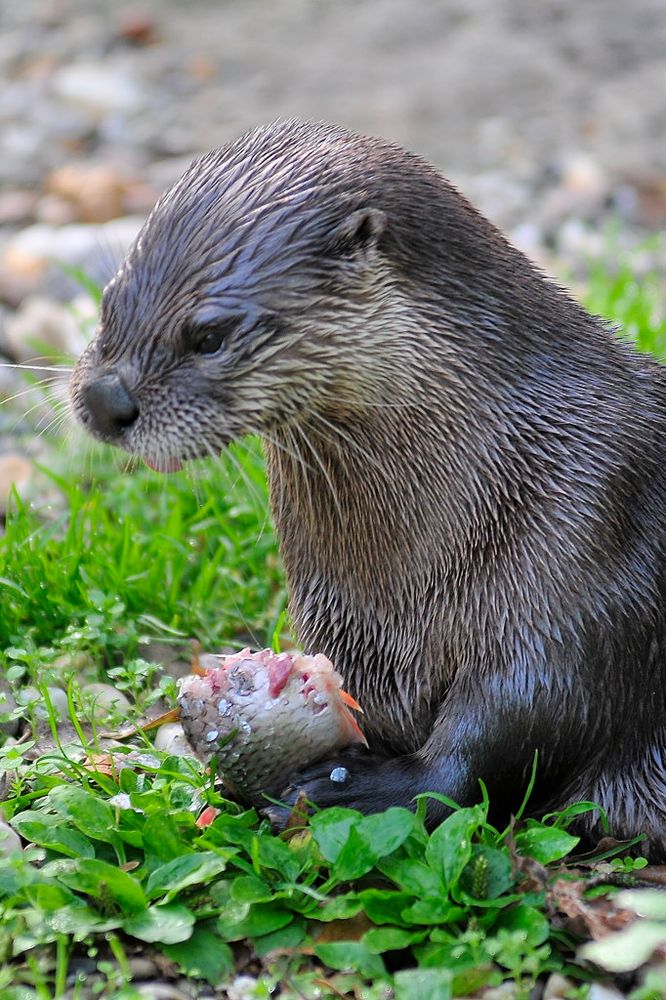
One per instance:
[(265, 715)]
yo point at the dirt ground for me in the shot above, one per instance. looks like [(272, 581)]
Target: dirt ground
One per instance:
[(507, 88)]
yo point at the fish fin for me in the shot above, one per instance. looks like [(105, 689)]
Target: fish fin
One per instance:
[(351, 702), (354, 726)]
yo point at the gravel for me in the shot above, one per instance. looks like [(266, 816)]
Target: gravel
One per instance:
[(541, 113)]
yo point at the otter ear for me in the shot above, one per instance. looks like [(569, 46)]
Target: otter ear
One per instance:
[(360, 231)]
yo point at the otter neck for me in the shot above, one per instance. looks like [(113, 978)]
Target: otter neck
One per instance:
[(375, 520)]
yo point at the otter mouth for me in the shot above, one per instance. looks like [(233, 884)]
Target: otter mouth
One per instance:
[(173, 463), (164, 464)]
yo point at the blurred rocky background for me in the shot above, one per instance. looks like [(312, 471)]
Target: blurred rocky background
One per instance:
[(551, 116)]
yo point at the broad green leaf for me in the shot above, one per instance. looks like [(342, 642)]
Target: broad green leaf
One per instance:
[(488, 873), (290, 936), (450, 846), (273, 853), (385, 906), (192, 869), (412, 876), (337, 908), (105, 882), (331, 829), (89, 814), (383, 833), (381, 939), (204, 955), (350, 955), (49, 831), (251, 889), (77, 920), (51, 897), (355, 858), (367, 840), (162, 838), (423, 984), (259, 919), (432, 911), (544, 843), (526, 920), (628, 949), (167, 924)]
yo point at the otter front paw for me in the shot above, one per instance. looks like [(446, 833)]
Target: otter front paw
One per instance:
[(355, 779)]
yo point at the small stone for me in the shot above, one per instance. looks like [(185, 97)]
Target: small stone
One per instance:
[(584, 177), (9, 727), (54, 211), (161, 991), (137, 27), (505, 991), (242, 988), (557, 987), (100, 87), (142, 968), (105, 700), (9, 840), (15, 471), (31, 262), (93, 192), (40, 325), (600, 992), (33, 697), (74, 663), (16, 207), (171, 738)]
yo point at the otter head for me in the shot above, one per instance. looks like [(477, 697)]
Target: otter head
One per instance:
[(254, 296)]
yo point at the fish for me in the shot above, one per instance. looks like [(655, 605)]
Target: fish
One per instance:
[(265, 715)]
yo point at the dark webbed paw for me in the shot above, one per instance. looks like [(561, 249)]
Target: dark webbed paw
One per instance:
[(355, 779)]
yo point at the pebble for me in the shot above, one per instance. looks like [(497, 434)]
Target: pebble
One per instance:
[(7, 705), (9, 840), (33, 697), (92, 192), (100, 88), (41, 328), (31, 261), (505, 991), (600, 992), (161, 991), (16, 207), (557, 987), (105, 700), (15, 471), (74, 663), (171, 738), (242, 988), (142, 968)]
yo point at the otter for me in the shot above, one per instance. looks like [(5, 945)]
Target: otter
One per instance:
[(467, 470)]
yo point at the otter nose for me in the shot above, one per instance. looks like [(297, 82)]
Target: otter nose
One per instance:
[(110, 405)]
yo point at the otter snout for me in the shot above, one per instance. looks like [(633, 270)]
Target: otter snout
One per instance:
[(109, 406)]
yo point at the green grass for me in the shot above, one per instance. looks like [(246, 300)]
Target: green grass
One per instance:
[(143, 556), (118, 866)]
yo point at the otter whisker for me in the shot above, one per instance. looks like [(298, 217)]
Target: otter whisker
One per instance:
[(28, 366), (28, 390), (292, 452), (336, 431), (325, 472)]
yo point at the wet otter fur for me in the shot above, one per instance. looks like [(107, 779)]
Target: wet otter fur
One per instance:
[(467, 470)]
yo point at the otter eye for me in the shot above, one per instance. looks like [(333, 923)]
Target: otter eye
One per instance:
[(210, 342), (208, 338)]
